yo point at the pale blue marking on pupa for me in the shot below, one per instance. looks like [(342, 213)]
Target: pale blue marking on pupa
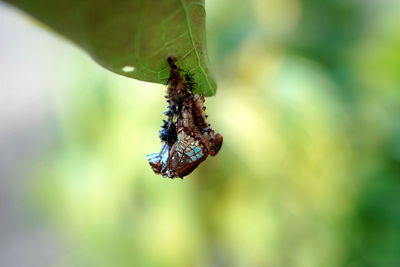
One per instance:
[(164, 157), (153, 158), (197, 149)]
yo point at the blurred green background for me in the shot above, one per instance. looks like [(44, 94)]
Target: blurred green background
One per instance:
[(308, 103)]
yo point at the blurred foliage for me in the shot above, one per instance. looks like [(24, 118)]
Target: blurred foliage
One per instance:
[(309, 171), (133, 38)]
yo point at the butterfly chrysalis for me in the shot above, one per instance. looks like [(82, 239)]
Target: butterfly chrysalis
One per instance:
[(187, 138)]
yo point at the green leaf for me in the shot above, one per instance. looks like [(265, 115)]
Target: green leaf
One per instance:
[(133, 37)]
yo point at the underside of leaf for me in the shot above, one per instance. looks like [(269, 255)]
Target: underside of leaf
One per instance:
[(133, 38)]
